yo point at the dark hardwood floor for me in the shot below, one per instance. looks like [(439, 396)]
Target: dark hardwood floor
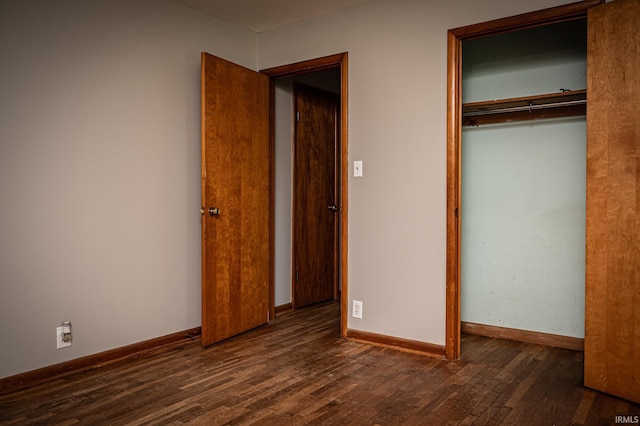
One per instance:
[(297, 370)]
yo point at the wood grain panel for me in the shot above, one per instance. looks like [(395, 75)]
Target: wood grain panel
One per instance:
[(317, 64), (397, 343), (236, 179), (552, 15), (554, 340), (612, 344), (315, 189)]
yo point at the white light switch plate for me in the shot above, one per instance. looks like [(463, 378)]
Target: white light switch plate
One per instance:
[(357, 168)]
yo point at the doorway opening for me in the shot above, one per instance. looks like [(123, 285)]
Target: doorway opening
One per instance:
[(316, 210), (455, 121), (327, 75)]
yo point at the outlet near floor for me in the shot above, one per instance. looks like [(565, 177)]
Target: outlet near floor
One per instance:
[(356, 312), (61, 340)]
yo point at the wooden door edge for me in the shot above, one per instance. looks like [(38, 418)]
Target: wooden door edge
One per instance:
[(454, 125), (272, 201), (202, 175), (454, 128)]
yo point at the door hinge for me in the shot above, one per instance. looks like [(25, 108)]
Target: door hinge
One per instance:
[(297, 116), (296, 276), (456, 213)]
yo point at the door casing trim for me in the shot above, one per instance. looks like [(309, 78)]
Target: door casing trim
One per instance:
[(340, 61)]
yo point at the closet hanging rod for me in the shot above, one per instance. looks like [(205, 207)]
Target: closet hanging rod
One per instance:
[(529, 107)]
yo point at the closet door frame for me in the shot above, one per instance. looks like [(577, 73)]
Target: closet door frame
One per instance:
[(455, 38)]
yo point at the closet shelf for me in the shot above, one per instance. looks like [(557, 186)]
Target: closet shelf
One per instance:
[(551, 105)]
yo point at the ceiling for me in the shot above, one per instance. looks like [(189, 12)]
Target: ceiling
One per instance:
[(263, 15)]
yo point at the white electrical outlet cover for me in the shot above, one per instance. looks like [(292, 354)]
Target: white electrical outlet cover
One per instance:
[(357, 309), (59, 343)]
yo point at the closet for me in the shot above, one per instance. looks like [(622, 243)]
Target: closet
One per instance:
[(524, 183), (612, 217)]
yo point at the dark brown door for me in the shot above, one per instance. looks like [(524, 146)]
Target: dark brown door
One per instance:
[(315, 212), (612, 326), (236, 200)]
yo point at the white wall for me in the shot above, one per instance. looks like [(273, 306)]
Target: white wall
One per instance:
[(283, 179), (524, 187), (100, 172), (397, 126), (532, 62), (523, 226)]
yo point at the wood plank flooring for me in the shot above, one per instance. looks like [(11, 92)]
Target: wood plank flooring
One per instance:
[(298, 371)]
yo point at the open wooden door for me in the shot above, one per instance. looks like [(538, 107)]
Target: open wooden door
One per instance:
[(612, 317), (236, 260), (315, 198)]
